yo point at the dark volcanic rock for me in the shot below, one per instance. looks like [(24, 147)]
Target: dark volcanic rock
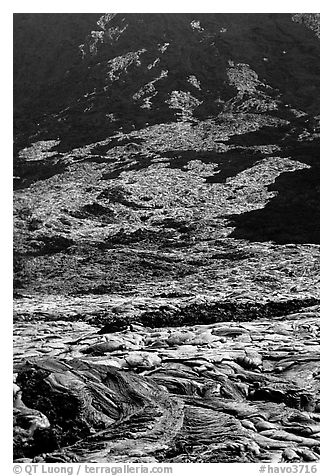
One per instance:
[(166, 230), (218, 393), (130, 65)]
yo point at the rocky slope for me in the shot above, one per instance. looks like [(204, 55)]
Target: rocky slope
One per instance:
[(77, 79), (167, 192)]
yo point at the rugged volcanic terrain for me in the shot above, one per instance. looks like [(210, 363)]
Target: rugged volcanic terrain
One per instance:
[(166, 237)]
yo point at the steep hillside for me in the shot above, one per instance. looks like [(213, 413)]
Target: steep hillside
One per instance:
[(167, 176), (226, 100), (133, 69)]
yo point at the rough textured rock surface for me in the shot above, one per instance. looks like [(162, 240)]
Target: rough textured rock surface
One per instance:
[(166, 236), (204, 393)]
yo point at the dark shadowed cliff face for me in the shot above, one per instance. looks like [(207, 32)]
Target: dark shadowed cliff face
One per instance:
[(166, 237), (45, 48), (129, 70)]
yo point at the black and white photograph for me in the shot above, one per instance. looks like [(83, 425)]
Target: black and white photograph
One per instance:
[(166, 219)]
